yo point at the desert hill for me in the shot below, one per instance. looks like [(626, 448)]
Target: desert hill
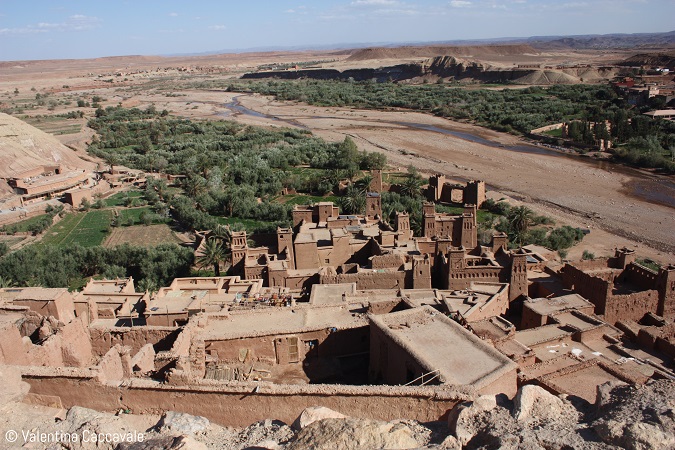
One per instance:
[(651, 59), (432, 51), (24, 147)]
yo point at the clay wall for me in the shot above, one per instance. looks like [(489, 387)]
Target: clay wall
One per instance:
[(666, 286), (373, 280), (427, 247), (421, 274), (238, 406), (61, 307), (12, 351), (103, 339), (76, 344), (387, 261), (630, 306), (496, 306), (592, 288), (255, 349), (390, 363), (300, 215), (639, 276), (462, 279), (275, 349), (166, 319), (110, 366), (387, 306), (253, 272), (306, 255), (531, 319), (301, 281)]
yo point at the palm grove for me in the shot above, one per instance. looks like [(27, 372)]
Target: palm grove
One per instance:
[(232, 179)]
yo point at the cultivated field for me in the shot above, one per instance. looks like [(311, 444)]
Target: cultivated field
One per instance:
[(141, 235), (85, 229)]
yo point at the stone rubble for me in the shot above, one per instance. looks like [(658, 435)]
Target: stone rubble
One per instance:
[(628, 417)]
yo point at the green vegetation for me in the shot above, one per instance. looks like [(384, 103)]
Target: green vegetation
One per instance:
[(58, 266), (33, 225), (587, 255), (648, 263), (85, 229), (123, 198), (524, 227), (231, 170)]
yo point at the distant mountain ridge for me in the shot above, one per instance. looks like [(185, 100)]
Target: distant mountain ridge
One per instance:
[(589, 41), (605, 41)]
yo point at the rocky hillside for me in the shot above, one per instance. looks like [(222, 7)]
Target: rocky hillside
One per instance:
[(24, 147), (651, 59), (630, 417), (432, 51)]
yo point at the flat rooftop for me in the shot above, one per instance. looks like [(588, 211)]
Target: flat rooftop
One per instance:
[(548, 306), (269, 322), (541, 335), (439, 343), (33, 293)]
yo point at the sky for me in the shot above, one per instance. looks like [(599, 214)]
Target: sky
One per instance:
[(59, 29)]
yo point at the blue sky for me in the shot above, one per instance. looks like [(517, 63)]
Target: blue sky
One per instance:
[(50, 29)]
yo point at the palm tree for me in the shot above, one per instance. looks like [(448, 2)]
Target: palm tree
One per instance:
[(111, 159), (212, 255), (411, 186), (363, 183), (353, 201), (520, 218), (223, 233)]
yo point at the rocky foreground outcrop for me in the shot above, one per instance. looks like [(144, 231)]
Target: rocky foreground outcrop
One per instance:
[(630, 417)]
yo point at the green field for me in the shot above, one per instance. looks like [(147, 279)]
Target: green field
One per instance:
[(24, 225), (120, 198), (86, 229), (55, 125), (132, 216)]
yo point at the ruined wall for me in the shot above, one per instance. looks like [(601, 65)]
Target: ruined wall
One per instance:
[(252, 349), (372, 280), (76, 344), (594, 289), (103, 339), (387, 261), (630, 306), (639, 276), (238, 405)]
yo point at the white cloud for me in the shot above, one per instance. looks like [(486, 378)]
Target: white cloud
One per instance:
[(173, 14), (460, 3), (374, 2), (217, 27), (290, 11), (77, 22)]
